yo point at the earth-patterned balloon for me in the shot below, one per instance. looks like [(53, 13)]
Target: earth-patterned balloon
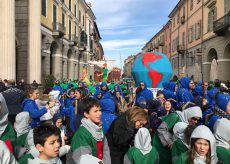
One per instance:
[(152, 68)]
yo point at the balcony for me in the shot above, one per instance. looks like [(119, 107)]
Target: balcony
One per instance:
[(58, 30), (157, 45), (73, 40), (182, 20), (181, 49), (82, 46), (221, 25)]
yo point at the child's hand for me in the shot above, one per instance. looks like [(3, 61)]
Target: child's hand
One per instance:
[(51, 104)]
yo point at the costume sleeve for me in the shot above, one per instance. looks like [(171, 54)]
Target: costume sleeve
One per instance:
[(34, 111)]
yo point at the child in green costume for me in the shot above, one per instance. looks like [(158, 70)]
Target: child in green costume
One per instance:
[(142, 152), (89, 138), (222, 134)]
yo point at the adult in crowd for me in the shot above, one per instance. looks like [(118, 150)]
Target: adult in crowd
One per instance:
[(121, 133), (13, 97), (183, 94), (144, 92), (2, 86)]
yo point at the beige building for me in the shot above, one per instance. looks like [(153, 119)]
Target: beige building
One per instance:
[(55, 37), (128, 63), (199, 34)]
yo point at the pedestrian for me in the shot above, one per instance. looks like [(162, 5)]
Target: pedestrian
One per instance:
[(122, 132)]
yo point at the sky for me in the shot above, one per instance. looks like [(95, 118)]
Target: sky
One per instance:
[(126, 26)]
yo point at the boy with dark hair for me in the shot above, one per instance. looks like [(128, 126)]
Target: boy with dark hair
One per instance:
[(46, 141), (89, 138)]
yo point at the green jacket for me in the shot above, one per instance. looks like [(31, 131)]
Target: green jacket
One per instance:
[(84, 143), (24, 159), (223, 155), (163, 137), (182, 159), (9, 134), (178, 148), (134, 156)]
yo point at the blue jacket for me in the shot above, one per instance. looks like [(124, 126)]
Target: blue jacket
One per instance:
[(169, 89), (211, 94), (146, 93), (183, 94), (30, 106), (108, 116)]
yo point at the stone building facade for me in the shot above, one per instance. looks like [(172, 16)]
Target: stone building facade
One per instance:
[(42, 37)]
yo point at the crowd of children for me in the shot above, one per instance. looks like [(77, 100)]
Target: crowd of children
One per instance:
[(105, 123)]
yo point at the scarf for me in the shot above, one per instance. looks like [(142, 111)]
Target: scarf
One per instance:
[(95, 130), (143, 141), (199, 159)]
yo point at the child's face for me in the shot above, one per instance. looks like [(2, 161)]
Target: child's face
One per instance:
[(77, 95), (59, 123), (202, 147), (35, 94), (168, 106), (72, 94), (94, 115), (50, 148)]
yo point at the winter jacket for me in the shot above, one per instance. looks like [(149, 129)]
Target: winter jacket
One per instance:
[(108, 116), (30, 106), (5, 155), (120, 137)]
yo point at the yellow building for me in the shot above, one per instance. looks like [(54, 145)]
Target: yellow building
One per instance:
[(52, 37)]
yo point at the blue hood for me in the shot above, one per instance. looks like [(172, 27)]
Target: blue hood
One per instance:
[(222, 101), (107, 105), (198, 91), (25, 101), (144, 83), (172, 86), (184, 81), (103, 84), (166, 85), (98, 91)]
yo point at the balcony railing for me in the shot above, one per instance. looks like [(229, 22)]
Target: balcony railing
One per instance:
[(180, 49), (222, 24), (73, 39), (58, 29)]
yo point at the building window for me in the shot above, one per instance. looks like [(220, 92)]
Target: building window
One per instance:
[(184, 11), (226, 6), (79, 16), (183, 38), (54, 14), (83, 20), (198, 1), (70, 29), (70, 4), (75, 30), (63, 19), (63, 1), (173, 22), (197, 30), (182, 60), (44, 8), (211, 18), (191, 5), (75, 10), (178, 18)]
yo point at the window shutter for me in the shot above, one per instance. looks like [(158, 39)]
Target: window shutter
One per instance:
[(209, 21)]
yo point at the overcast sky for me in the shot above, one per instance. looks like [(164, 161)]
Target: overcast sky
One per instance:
[(126, 25)]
